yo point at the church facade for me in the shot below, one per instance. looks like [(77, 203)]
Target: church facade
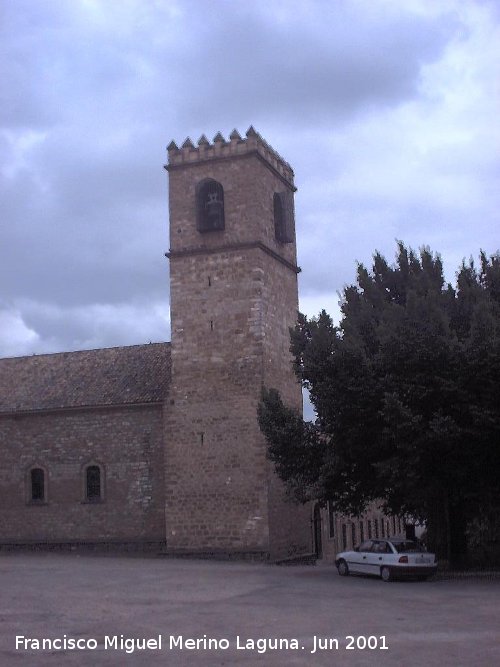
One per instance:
[(157, 446)]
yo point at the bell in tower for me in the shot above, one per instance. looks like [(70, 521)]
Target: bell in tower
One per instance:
[(210, 205)]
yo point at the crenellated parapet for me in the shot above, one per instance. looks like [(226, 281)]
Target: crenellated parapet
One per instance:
[(236, 146)]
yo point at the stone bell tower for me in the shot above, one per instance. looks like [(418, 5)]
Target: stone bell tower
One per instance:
[(233, 291)]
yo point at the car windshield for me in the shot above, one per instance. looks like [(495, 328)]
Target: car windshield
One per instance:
[(408, 546)]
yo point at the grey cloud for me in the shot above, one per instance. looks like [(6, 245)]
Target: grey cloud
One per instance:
[(100, 325), (98, 268), (102, 220), (85, 209), (212, 70), (338, 63)]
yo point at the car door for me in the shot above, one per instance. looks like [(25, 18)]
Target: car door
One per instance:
[(375, 558), (361, 557)]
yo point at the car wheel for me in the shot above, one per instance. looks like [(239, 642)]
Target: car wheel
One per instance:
[(343, 568), (385, 573)]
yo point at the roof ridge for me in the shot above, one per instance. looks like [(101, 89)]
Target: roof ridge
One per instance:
[(82, 351)]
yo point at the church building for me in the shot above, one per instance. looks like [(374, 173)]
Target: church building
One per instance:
[(157, 446)]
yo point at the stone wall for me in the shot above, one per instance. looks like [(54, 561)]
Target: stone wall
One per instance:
[(289, 523), (126, 442), (216, 495)]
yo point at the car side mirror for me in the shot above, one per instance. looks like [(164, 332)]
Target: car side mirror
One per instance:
[(356, 548)]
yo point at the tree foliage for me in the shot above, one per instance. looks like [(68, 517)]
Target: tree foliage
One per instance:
[(407, 395)]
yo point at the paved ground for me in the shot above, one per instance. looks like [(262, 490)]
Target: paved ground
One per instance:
[(93, 598)]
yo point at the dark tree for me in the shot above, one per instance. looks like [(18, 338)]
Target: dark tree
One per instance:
[(407, 395)]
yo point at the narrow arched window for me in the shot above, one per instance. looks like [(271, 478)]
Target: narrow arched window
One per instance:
[(93, 492), (209, 206), (37, 479)]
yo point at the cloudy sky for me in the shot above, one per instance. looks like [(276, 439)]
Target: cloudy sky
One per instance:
[(387, 110)]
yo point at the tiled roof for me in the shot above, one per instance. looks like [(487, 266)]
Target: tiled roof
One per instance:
[(110, 376)]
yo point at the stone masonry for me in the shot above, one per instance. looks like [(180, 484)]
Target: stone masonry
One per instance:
[(233, 300), (63, 412)]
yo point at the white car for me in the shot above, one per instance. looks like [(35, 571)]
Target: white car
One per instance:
[(390, 559)]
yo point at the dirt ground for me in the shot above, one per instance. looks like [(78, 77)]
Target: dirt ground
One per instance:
[(157, 611)]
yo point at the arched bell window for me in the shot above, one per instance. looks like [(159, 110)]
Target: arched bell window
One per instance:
[(209, 206)]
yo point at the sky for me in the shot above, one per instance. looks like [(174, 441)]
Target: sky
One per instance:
[(386, 109)]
